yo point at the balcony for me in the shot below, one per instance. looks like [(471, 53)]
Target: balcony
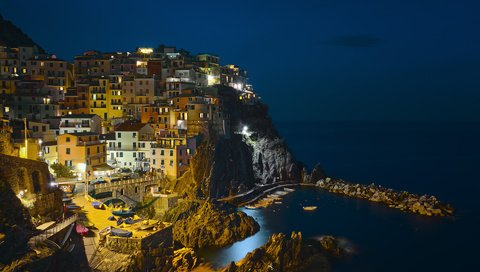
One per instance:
[(74, 125)]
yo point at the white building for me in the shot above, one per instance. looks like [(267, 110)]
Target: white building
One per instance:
[(129, 145), (75, 123)]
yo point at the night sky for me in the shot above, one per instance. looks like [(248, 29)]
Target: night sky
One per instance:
[(324, 60)]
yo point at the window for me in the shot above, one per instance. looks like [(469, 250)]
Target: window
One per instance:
[(162, 152), (134, 135), (98, 149), (119, 135), (154, 161), (119, 144), (68, 163), (88, 150), (68, 151), (67, 139), (121, 155), (171, 152), (134, 154), (134, 145)]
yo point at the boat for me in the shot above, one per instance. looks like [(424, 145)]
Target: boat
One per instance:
[(73, 207), (81, 230), (130, 221), (288, 189), (121, 232), (119, 221), (251, 207), (105, 231), (67, 200), (309, 208), (97, 205), (112, 218), (146, 227), (281, 193), (123, 213), (277, 202)]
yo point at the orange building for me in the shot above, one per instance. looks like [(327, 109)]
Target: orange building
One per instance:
[(82, 151)]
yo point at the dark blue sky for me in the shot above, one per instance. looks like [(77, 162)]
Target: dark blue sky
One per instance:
[(372, 60)]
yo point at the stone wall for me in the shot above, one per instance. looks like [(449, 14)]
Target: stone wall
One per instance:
[(162, 237), (32, 179)]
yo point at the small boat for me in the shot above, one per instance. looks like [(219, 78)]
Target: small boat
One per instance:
[(281, 193), (309, 208), (146, 227), (124, 213), (67, 200), (277, 202), (251, 207), (97, 205), (130, 221), (112, 218), (119, 221), (121, 232), (73, 207), (81, 230), (104, 231), (288, 189)]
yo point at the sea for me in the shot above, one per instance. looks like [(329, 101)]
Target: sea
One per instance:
[(442, 159)]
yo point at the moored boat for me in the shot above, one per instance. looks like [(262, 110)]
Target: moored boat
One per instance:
[(251, 207), (123, 213), (309, 208), (81, 230), (121, 232), (288, 189), (97, 205)]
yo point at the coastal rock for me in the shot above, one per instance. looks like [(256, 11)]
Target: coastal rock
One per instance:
[(210, 224), (317, 174), (281, 253), (331, 245), (405, 201)]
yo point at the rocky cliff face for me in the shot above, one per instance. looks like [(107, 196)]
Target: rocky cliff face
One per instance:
[(15, 225), (282, 253), (209, 224), (253, 152)]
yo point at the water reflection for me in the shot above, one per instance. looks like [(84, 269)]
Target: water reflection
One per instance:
[(223, 256)]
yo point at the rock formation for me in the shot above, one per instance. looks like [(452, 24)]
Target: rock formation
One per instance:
[(405, 201), (209, 224), (282, 253), (251, 151)]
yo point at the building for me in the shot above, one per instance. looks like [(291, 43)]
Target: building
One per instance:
[(82, 151), (74, 123), (129, 145)]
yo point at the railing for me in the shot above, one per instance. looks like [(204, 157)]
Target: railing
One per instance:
[(88, 143), (52, 231), (121, 183)]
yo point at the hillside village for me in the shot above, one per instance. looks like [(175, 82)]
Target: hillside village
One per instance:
[(107, 113)]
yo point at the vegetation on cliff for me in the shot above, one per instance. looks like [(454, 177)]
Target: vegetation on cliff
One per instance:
[(209, 224)]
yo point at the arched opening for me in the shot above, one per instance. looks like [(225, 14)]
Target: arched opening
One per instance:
[(36, 181)]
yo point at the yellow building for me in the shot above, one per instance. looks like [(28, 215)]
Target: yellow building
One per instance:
[(8, 85), (98, 90), (82, 151), (114, 97)]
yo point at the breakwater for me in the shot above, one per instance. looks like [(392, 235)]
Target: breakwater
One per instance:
[(403, 200)]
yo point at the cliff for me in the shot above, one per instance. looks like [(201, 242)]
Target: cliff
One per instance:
[(209, 224), (252, 152)]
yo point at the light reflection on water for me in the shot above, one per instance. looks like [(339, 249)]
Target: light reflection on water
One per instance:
[(223, 256)]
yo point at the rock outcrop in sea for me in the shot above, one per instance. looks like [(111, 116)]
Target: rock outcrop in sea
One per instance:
[(209, 224), (403, 200), (283, 253)]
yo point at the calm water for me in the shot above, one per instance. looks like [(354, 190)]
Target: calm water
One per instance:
[(440, 159)]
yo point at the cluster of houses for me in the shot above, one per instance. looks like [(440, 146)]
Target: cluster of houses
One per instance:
[(118, 111)]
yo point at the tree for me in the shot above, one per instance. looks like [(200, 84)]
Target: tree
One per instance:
[(62, 171)]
